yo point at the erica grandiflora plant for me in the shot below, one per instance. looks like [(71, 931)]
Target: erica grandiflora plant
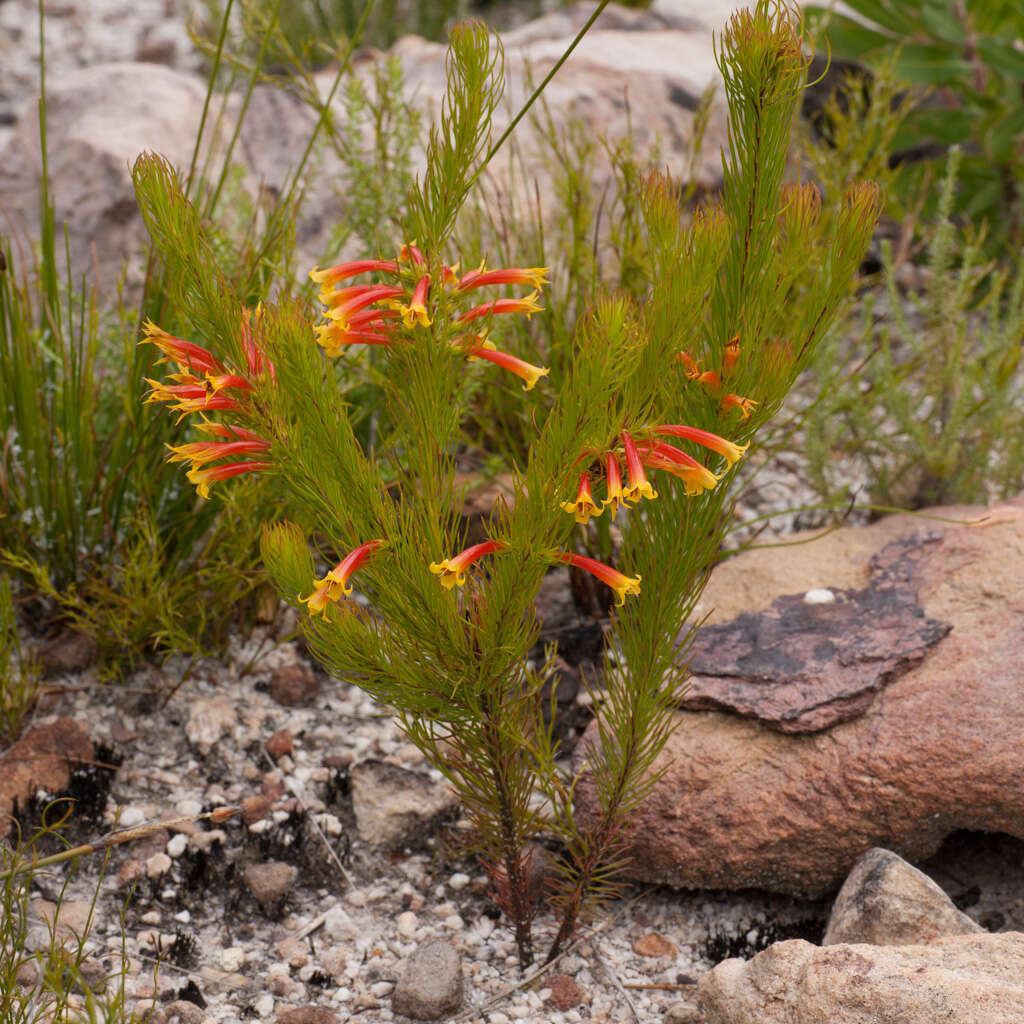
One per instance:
[(655, 408)]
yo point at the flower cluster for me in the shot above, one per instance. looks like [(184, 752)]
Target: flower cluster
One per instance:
[(650, 453), (368, 314), (715, 381), (204, 384)]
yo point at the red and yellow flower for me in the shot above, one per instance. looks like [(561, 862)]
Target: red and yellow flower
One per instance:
[(614, 496), (334, 586), (619, 582), (453, 570), (527, 372), (584, 506), (639, 486)]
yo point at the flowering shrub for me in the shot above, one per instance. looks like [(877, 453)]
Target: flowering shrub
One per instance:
[(656, 407)]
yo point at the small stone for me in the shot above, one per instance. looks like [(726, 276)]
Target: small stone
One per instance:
[(278, 981), (458, 881), (256, 808), (379, 989), (281, 744), (338, 925), (264, 1006), (294, 951), (181, 1011), (232, 959), (177, 845), (183, 917), (71, 651), (654, 944), (294, 686), (454, 923), (429, 983), (395, 807), (819, 596), (334, 960), (887, 902), (406, 924), (208, 720), (27, 974), (270, 883), (307, 1015), (563, 992), (129, 817), (189, 808), (130, 871), (683, 1013), (158, 865)]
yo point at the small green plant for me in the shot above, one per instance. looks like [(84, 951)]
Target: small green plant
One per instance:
[(935, 411), (19, 670), (43, 975), (967, 56), (91, 514), (738, 298)]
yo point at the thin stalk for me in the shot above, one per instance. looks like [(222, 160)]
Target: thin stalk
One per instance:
[(540, 88)]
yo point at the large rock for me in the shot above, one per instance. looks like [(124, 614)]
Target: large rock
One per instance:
[(938, 749), (967, 979), (887, 902)]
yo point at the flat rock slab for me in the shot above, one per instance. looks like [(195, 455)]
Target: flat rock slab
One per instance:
[(805, 663), (741, 804), (969, 979)]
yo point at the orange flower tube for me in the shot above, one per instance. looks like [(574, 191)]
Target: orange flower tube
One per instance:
[(584, 506), (335, 584), (453, 570), (619, 582), (639, 487), (727, 449)]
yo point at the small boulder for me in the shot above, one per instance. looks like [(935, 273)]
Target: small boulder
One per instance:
[(395, 807), (887, 902), (429, 983), (969, 979), (270, 883), (208, 720), (294, 686)]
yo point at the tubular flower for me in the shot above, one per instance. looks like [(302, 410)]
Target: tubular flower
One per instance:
[(343, 271), (615, 498), (527, 305), (256, 361), (453, 570), (220, 381), (639, 487), (529, 373), (745, 405), (696, 477), (191, 395), (410, 254), (229, 431), (620, 583), (535, 277), (204, 476), (690, 365), (731, 355), (416, 310), (727, 449), (186, 354), (334, 585), (333, 339), (201, 452), (355, 300), (584, 506)]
